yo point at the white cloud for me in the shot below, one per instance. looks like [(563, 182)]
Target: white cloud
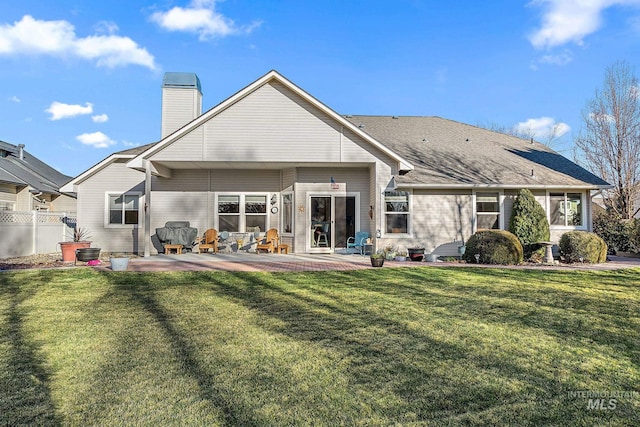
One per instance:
[(59, 110), (130, 144), (100, 118), (15, 99), (559, 59), (58, 38), (542, 128), (566, 21), (96, 139), (200, 17)]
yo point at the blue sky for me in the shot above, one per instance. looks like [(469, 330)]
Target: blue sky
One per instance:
[(82, 79)]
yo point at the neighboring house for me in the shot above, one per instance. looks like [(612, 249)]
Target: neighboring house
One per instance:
[(28, 184), (272, 155)]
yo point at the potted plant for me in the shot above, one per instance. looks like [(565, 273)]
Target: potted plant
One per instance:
[(416, 253), (401, 255), (79, 240), (377, 259), (119, 262)]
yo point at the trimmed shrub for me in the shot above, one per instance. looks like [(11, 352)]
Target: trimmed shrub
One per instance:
[(494, 247), (577, 246), (529, 223)]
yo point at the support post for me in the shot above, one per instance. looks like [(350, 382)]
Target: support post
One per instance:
[(147, 208)]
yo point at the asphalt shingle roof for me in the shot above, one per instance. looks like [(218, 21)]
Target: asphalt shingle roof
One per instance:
[(29, 171), (446, 152)]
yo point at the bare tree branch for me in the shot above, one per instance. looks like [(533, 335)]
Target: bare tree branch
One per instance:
[(609, 145)]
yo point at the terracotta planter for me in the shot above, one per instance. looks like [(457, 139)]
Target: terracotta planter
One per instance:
[(69, 249)]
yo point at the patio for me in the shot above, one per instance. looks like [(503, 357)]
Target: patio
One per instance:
[(320, 262)]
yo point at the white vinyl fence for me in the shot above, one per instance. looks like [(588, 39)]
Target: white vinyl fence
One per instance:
[(29, 233)]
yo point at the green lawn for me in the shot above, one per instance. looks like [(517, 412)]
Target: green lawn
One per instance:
[(418, 346)]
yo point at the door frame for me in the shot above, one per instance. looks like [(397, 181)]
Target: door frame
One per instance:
[(307, 222)]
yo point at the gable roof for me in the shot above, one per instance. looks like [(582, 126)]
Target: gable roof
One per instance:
[(447, 153), (28, 170), (138, 161)]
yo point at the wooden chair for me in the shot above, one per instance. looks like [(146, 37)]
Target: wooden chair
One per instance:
[(270, 241), (209, 241)]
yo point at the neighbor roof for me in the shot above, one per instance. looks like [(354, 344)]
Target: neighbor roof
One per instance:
[(28, 171), (446, 153)]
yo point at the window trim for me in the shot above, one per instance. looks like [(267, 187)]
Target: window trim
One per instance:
[(242, 222), (107, 215), (583, 210), (409, 213), (501, 198)]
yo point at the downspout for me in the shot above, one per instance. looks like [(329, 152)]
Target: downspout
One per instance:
[(147, 208)]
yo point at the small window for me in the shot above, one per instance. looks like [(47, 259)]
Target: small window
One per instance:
[(287, 212), (396, 212), (488, 210), (123, 209), (565, 209), (6, 206)]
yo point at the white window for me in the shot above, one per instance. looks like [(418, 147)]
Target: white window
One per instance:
[(396, 212), (487, 210), (566, 209), (287, 213), (123, 209), (7, 206), (242, 212)]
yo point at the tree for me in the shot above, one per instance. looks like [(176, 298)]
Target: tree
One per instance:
[(610, 143)]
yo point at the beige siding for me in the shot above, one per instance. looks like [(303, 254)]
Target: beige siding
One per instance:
[(183, 180), (179, 107), (64, 204), (24, 200), (245, 180), (288, 177), (91, 208), (440, 221), (8, 194), (272, 124)]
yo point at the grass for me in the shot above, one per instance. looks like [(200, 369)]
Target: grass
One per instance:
[(420, 346)]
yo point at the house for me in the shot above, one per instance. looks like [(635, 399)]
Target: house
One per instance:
[(28, 184), (272, 155)]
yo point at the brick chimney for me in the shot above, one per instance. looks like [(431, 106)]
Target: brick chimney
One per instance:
[(181, 100)]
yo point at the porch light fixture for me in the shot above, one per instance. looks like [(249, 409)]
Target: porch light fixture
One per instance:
[(370, 211), (274, 199)]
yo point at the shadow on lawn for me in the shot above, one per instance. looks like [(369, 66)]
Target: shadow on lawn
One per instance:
[(383, 346), (142, 294), (26, 397)]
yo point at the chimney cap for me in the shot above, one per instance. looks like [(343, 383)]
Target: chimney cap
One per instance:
[(181, 80)]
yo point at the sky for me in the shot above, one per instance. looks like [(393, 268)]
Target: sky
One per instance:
[(80, 80)]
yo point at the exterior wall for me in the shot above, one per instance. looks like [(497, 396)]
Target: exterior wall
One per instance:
[(272, 124), (440, 219), (8, 194), (179, 107), (318, 180), (24, 200), (91, 208), (64, 203)]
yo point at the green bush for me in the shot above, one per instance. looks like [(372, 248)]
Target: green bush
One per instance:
[(529, 223), (494, 247), (619, 234), (582, 246)]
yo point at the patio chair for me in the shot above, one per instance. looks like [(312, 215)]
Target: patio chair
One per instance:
[(270, 241), (209, 241), (358, 241)]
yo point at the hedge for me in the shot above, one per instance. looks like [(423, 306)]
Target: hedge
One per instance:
[(494, 247)]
